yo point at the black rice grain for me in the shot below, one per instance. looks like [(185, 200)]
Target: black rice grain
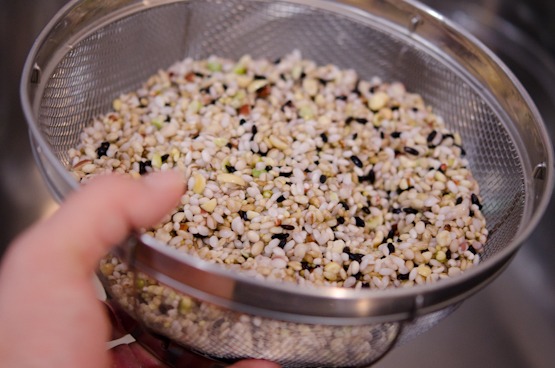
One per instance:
[(411, 151), (474, 199), (287, 227), (102, 150), (356, 161)]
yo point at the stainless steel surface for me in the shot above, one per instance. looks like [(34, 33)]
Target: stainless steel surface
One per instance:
[(509, 324), (512, 322), (487, 108), (68, 79)]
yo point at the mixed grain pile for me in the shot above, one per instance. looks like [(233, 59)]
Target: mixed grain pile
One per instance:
[(297, 172)]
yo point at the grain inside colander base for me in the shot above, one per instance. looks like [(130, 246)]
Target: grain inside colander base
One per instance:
[(297, 172)]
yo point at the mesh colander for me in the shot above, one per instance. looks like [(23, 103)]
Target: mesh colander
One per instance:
[(93, 51)]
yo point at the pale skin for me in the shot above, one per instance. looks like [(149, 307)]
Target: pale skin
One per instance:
[(49, 313)]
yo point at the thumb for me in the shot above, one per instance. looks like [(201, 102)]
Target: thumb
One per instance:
[(101, 214), (45, 288)]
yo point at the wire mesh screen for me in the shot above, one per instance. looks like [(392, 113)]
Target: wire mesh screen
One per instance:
[(117, 57), (112, 60), (229, 336)]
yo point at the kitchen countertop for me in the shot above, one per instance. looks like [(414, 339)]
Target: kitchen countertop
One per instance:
[(509, 324)]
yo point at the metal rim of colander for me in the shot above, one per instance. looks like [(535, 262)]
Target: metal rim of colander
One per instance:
[(328, 305)]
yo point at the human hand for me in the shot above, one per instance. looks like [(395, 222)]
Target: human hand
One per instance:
[(49, 314)]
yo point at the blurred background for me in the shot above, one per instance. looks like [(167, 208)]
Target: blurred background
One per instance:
[(509, 324)]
